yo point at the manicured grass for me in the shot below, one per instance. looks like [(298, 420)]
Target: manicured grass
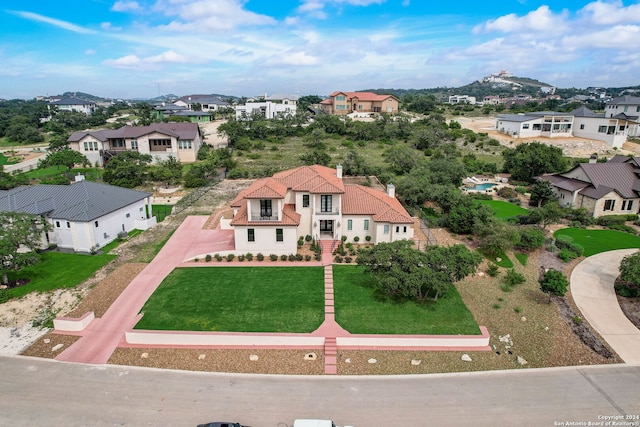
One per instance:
[(522, 258), (237, 299), (596, 241), (161, 211), (4, 160), (504, 262), (503, 210), (361, 310), (58, 270)]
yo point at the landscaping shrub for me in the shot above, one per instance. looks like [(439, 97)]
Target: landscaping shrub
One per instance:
[(622, 227), (513, 278), (566, 255), (318, 257), (492, 270), (356, 239), (260, 257), (367, 238), (218, 257), (300, 242), (249, 256), (344, 239), (626, 291), (299, 257), (230, 257), (608, 220), (283, 257), (307, 257), (566, 242), (507, 193), (338, 259), (273, 257), (240, 257), (308, 237), (520, 189), (207, 258), (348, 259), (530, 239), (554, 282)]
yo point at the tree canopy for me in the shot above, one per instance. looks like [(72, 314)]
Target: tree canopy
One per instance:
[(403, 271), (19, 230), (527, 161), (127, 169), (65, 157)]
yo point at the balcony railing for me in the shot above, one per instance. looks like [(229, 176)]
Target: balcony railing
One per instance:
[(335, 211)]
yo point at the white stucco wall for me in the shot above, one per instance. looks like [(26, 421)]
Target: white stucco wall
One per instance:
[(265, 240)]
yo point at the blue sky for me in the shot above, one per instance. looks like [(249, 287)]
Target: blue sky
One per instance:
[(143, 48)]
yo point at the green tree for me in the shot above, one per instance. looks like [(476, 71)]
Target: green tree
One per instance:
[(495, 236), (65, 157), (400, 159), (542, 193), (317, 156), (551, 213), (127, 169), (168, 171), (554, 282), (233, 130), (145, 113), (19, 231), (527, 161), (402, 271)]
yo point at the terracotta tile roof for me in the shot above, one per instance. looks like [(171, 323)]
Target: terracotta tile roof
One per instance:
[(363, 96), (314, 179), (289, 217), (267, 188), (360, 200)]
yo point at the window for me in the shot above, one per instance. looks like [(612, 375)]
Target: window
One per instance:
[(325, 203), (582, 126), (184, 145), (134, 144), (128, 215), (68, 224), (96, 224), (341, 98), (525, 126), (609, 205), (404, 230), (265, 208), (349, 224), (397, 228), (57, 224), (341, 107), (366, 224), (305, 200), (386, 229), (251, 235), (602, 129), (279, 235), (627, 205)]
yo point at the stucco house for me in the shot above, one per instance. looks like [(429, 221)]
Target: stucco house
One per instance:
[(85, 215), (272, 213), (268, 109), (342, 103), (162, 112), (580, 123), (206, 102), (74, 104), (626, 106), (611, 188), (160, 140)]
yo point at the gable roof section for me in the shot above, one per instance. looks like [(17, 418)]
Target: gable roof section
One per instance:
[(289, 217), (625, 100), (616, 176), (72, 101), (266, 188), (314, 179), (363, 96), (185, 131), (82, 201), (361, 200)]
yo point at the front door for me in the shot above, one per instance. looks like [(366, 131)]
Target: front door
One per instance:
[(326, 226)]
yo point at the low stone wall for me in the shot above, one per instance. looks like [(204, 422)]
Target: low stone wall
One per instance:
[(73, 324)]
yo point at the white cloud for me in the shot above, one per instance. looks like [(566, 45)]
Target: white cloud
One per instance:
[(52, 21), (293, 58), (619, 37), (150, 62), (209, 16), (126, 6), (611, 13), (539, 20)]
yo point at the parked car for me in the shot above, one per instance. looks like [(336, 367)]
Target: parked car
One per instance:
[(220, 424), (315, 423)]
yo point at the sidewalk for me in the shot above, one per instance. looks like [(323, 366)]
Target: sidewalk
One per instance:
[(592, 290)]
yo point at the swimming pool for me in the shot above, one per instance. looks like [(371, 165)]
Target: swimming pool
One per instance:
[(484, 186)]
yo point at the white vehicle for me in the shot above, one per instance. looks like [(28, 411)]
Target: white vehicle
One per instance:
[(315, 423)]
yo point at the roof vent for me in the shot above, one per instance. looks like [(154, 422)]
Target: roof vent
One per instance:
[(79, 177)]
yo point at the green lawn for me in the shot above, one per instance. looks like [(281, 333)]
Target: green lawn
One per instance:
[(4, 160), (237, 299), (58, 270), (361, 311), (161, 211), (596, 241), (504, 262), (503, 210)]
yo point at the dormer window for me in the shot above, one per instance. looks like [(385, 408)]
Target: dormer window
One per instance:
[(265, 208)]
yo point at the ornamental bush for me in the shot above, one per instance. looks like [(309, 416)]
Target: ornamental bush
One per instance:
[(554, 282)]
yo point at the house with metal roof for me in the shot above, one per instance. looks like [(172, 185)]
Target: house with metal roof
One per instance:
[(342, 103), (273, 213), (85, 215), (160, 140), (611, 188), (205, 103), (579, 123), (74, 104), (627, 107)]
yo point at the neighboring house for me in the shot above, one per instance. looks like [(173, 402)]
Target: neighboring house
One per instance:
[(491, 100), (84, 216), (462, 99), (627, 107), (342, 103), (580, 123), (611, 188), (273, 213), (283, 99), (268, 109), (74, 104), (160, 140), (206, 102), (161, 112)]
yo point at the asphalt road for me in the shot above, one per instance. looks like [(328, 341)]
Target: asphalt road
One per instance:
[(39, 392)]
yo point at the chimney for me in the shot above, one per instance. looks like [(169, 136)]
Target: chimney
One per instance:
[(593, 158), (79, 177), (391, 190), (339, 171)]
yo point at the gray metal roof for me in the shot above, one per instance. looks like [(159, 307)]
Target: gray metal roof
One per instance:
[(184, 131), (517, 117), (585, 112), (620, 177), (82, 201), (625, 100), (72, 101)]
